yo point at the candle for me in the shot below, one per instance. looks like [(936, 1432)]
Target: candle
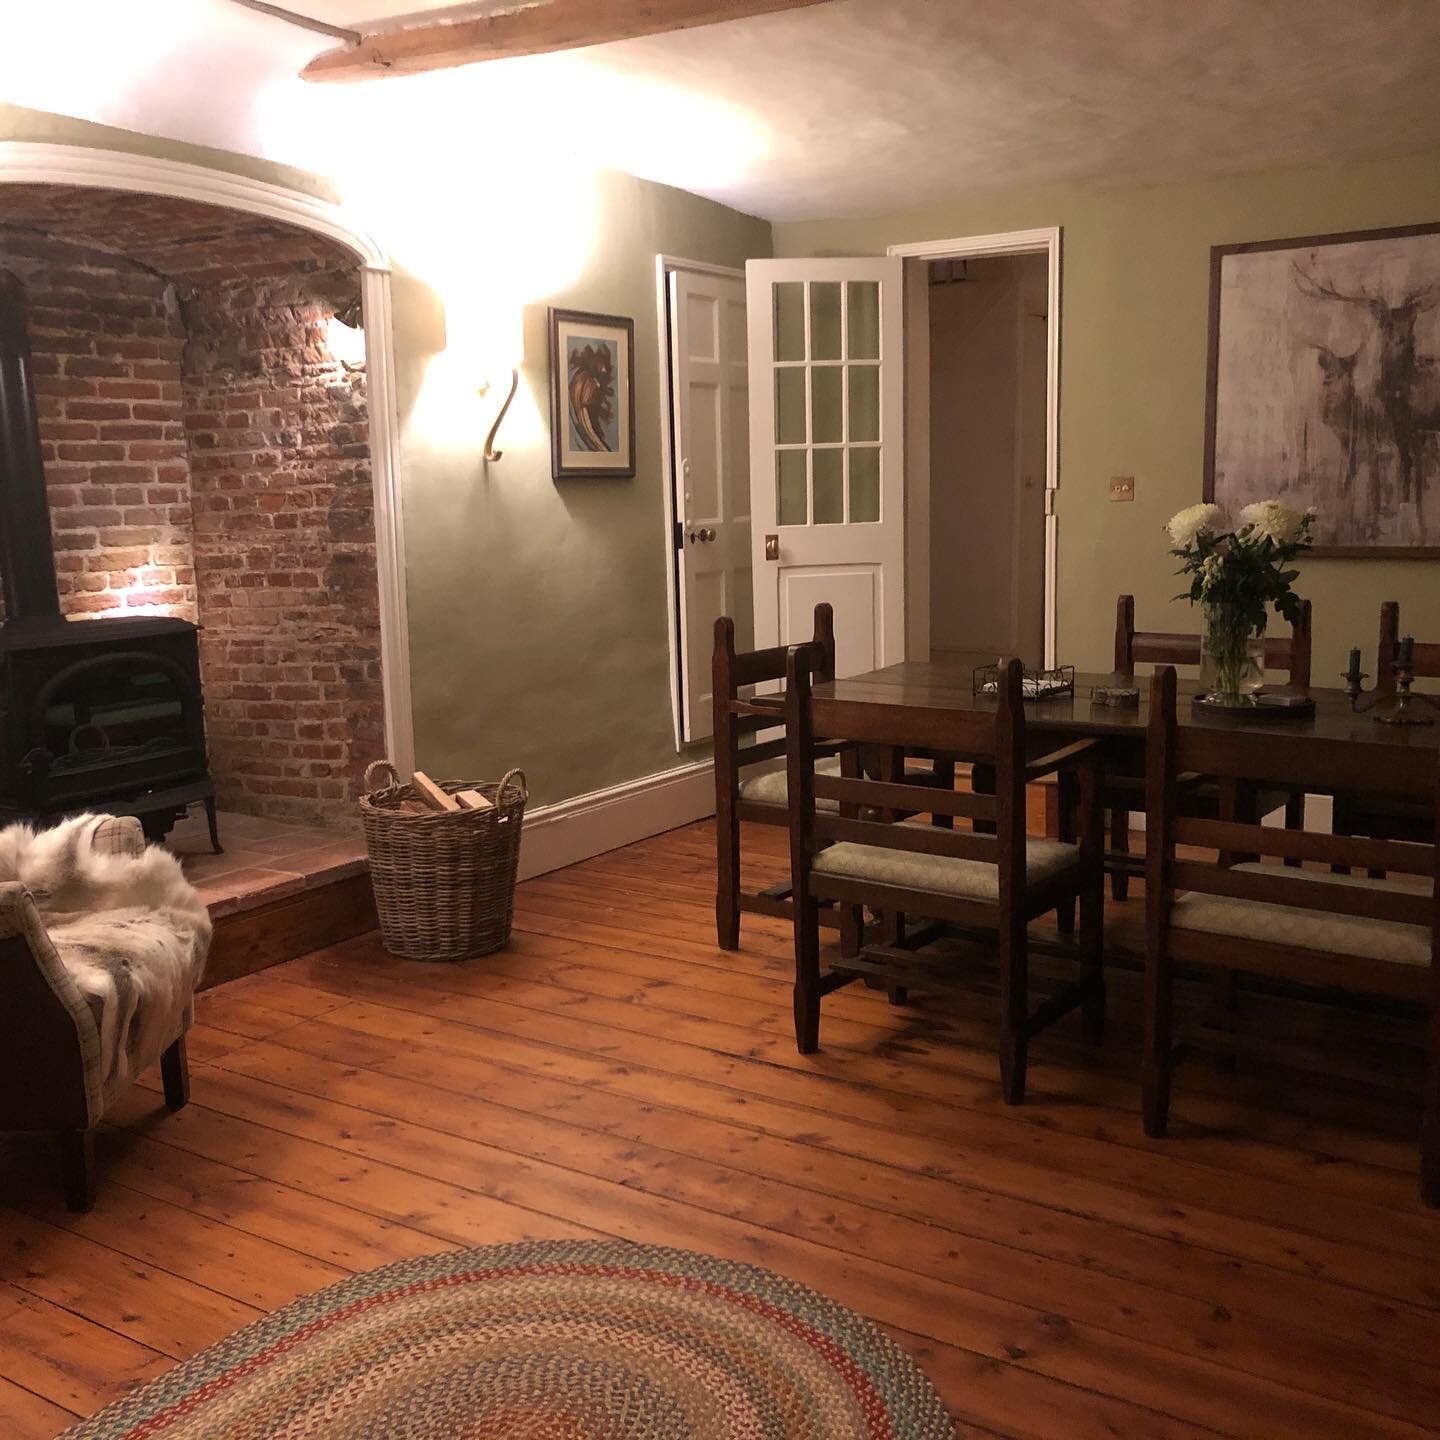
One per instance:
[(1353, 672), (1407, 652)]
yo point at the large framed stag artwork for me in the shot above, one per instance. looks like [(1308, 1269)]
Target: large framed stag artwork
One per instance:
[(592, 394), (1324, 385)]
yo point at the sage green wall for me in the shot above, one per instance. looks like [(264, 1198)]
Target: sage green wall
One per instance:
[(1133, 356), (538, 617), (538, 614)]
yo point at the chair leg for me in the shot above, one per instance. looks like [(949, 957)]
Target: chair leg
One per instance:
[(175, 1073), (1430, 1123), (77, 1168), (944, 772), (1015, 1010), (727, 879), (1092, 959), (807, 977), (1227, 1002), (899, 995), (1066, 799), (1158, 1054), (1294, 820), (1120, 843)]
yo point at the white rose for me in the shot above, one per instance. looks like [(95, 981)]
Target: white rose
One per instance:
[(1273, 521), (1185, 525)]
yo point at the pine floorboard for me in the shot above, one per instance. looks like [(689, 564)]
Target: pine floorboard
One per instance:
[(1267, 1271)]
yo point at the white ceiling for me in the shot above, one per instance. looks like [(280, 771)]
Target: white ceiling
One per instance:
[(846, 108)]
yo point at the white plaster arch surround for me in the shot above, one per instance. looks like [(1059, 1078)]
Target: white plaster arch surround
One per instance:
[(28, 162)]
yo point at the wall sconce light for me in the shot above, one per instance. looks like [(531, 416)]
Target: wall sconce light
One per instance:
[(491, 453), (345, 336)]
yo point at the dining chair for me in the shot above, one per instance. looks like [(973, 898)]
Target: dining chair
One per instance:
[(1307, 926), (1380, 816), (846, 850), (760, 795), (1124, 775)]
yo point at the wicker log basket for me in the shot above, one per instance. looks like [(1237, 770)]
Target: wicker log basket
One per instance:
[(444, 882)]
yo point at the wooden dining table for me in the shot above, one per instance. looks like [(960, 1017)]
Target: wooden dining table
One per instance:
[(935, 690)]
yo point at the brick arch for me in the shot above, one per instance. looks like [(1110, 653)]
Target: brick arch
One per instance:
[(207, 456)]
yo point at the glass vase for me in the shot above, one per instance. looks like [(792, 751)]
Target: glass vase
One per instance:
[(1232, 658)]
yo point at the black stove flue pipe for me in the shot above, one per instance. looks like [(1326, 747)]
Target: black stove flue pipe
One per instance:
[(27, 558)]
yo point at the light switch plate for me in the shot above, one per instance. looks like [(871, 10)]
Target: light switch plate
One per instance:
[(1122, 487)]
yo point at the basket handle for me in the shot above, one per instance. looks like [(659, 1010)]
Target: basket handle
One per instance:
[(509, 776), (373, 769)]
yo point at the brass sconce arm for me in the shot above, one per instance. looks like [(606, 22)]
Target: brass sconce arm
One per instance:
[(491, 453)]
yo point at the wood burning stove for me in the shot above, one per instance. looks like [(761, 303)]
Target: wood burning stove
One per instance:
[(101, 715)]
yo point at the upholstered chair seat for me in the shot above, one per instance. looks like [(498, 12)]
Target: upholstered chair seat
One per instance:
[(943, 874), (1310, 929)]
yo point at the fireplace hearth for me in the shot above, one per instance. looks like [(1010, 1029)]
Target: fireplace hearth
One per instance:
[(102, 714)]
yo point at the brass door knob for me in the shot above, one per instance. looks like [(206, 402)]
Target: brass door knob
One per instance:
[(772, 547)]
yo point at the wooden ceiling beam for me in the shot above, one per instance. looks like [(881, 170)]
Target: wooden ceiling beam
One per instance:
[(533, 30)]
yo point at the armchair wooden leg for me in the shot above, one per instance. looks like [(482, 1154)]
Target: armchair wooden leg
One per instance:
[(1158, 1054), (77, 1167), (727, 878), (899, 995), (1120, 843), (175, 1072), (1227, 1004)]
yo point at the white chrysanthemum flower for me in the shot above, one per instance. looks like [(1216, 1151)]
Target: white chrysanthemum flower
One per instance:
[(1274, 521), (1185, 525)]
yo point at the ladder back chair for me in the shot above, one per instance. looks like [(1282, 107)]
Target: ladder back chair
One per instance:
[(760, 796), (846, 850), (1125, 792), (1390, 817), (1308, 926)]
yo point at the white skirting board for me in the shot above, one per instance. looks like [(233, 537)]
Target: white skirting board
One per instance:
[(573, 830)]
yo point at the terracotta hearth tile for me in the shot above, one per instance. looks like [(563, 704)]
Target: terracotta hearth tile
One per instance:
[(245, 889)]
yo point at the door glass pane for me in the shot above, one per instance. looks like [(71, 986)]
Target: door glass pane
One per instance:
[(790, 406), (829, 487), (825, 321), (828, 419), (790, 508), (864, 486), (790, 320), (863, 300), (864, 402)]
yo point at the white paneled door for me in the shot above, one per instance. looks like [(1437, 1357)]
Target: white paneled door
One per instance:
[(712, 492), (826, 453)]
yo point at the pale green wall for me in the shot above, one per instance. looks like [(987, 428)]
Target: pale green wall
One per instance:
[(1135, 290), (538, 619)]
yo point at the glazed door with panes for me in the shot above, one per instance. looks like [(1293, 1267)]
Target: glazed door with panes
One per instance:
[(826, 454)]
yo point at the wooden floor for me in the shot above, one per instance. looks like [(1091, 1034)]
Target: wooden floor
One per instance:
[(1266, 1272)]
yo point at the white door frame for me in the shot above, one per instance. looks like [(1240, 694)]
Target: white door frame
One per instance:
[(1045, 242), (664, 264), (37, 163)]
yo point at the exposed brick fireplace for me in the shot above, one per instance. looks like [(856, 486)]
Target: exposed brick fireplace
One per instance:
[(206, 458)]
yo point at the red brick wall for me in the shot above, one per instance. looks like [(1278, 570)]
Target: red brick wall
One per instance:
[(284, 550), (208, 457), (107, 337)]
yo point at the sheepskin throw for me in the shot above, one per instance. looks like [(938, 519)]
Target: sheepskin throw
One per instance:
[(130, 930)]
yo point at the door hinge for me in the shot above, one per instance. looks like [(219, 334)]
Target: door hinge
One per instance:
[(1049, 502), (679, 535)]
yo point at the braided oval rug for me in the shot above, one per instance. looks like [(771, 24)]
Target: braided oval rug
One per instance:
[(554, 1340)]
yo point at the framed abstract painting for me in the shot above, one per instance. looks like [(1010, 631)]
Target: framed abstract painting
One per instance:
[(592, 394), (1324, 385)]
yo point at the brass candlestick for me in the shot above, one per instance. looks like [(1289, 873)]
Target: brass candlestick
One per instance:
[(1400, 706)]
